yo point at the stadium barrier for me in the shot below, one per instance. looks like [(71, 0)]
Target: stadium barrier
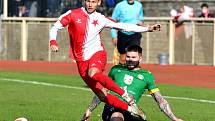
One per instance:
[(192, 43)]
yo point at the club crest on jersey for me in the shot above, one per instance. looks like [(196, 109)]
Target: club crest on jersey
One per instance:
[(95, 22), (140, 76), (128, 79), (78, 21)]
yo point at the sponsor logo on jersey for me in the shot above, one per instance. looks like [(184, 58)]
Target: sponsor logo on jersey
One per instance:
[(78, 21), (128, 79)]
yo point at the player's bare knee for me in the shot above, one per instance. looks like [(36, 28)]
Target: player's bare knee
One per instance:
[(117, 116), (92, 72)]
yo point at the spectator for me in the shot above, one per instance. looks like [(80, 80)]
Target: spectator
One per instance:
[(205, 11), (23, 11), (14, 7), (127, 11), (41, 8), (52, 6), (184, 14), (33, 9)]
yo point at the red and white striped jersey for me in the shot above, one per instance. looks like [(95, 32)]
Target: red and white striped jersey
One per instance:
[(84, 31)]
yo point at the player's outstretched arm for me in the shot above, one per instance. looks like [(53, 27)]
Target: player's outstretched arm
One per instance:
[(132, 27), (164, 106), (53, 36), (95, 102)]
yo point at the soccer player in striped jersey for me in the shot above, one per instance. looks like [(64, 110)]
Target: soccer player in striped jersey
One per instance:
[(135, 81)]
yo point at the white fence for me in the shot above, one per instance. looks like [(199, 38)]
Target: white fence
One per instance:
[(27, 39)]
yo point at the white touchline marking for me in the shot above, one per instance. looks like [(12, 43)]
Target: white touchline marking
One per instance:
[(86, 89), (44, 83), (187, 98)]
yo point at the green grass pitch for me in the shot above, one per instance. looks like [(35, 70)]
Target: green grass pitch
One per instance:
[(52, 97)]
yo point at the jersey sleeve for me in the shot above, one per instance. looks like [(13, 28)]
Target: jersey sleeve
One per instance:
[(152, 88), (62, 21), (125, 26)]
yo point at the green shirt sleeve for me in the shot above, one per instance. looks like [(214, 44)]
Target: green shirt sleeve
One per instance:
[(152, 88)]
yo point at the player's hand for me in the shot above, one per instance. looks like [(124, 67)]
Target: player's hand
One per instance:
[(86, 115), (54, 48), (140, 23), (155, 27)]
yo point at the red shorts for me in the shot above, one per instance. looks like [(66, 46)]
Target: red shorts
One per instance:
[(98, 60)]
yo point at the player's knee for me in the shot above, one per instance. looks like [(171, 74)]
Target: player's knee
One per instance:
[(117, 116), (92, 72)]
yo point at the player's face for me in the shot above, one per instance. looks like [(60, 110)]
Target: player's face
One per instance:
[(91, 5), (130, 1), (132, 60)]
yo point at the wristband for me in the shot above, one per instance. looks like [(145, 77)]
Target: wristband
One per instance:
[(53, 42)]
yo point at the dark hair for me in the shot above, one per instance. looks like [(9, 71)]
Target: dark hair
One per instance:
[(204, 5), (134, 48)]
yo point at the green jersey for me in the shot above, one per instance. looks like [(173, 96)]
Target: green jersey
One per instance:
[(135, 82)]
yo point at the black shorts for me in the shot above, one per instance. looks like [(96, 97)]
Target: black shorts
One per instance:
[(127, 40), (109, 110)]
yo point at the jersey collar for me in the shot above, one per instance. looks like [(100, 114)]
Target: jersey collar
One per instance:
[(84, 10)]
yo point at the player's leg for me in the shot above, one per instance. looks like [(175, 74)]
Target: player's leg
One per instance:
[(96, 66), (98, 79), (103, 95), (121, 45), (126, 40), (134, 39), (97, 87)]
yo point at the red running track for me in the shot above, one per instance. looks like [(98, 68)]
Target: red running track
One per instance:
[(183, 75)]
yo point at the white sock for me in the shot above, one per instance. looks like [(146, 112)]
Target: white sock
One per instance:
[(125, 94), (129, 109)]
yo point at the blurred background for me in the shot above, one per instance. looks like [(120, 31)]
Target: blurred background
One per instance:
[(189, 40), (54, 8)]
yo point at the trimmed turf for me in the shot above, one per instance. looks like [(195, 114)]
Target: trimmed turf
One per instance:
[(49, 103)]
